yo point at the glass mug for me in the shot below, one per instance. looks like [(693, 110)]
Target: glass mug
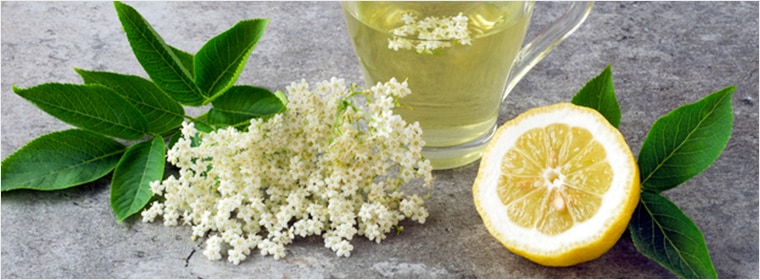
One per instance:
[(460, 60)]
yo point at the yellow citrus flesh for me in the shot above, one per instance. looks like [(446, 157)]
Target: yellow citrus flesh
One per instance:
[(557, 185)]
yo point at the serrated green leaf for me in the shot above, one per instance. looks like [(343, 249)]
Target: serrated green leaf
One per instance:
[(161, 112), (130, 187), (686, 141), (661, 232), (60, 160), (185, 58), (599, 94), (219, 62), (241, 103), (92, 107), (158, 59)]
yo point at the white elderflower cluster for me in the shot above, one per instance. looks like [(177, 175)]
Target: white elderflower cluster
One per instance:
[(430, 34), (336, 163)]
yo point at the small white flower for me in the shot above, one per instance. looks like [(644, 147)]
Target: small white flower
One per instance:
[(235, 256), (156, 209), (213, 248), (188, 129), (343, 248), (460, 19), (408, 18)]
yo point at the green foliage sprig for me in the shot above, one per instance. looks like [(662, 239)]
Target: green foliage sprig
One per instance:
[(679, 146), (111, 105)]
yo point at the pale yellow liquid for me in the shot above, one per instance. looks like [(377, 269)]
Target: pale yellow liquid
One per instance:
[(456, 91)]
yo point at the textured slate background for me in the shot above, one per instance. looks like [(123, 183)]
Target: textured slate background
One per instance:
[(664, 54)]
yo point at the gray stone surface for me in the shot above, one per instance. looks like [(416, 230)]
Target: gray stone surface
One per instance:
[(664, 54)]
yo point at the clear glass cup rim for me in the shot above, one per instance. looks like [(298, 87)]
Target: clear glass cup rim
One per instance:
[(528, 8)]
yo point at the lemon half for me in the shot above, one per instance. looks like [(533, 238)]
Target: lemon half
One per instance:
[(557, 185)]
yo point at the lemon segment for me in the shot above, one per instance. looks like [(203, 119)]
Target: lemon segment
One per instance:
[(557, 185)]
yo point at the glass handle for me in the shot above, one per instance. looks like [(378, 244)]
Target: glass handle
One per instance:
[(546, 41)]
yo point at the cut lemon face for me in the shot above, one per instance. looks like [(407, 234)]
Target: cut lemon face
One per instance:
[(557, 185)]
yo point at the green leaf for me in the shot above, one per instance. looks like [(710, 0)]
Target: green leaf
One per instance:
[(685, 142), (219, 62), (185, 58), (60, 160), (173, 139), (599, 94), (92, 107), (203, 127), (161, 112), (130, 186), (158, 59), (283, 99), (661, 232), (241, 103)]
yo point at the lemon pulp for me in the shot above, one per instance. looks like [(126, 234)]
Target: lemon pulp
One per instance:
[(553, 178)]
